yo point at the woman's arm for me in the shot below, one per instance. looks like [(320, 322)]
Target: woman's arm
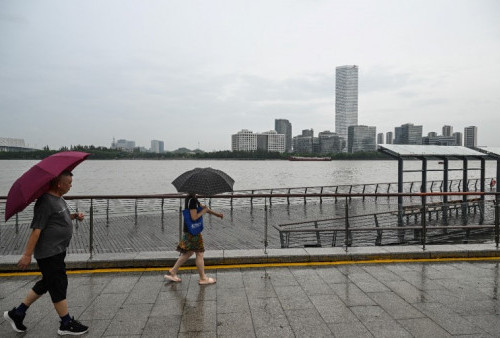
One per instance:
[(210, 211)]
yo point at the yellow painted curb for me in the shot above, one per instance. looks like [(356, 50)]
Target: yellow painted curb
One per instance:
[(262, 265)]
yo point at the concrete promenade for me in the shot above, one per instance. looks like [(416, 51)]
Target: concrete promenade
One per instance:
[(444, 291)]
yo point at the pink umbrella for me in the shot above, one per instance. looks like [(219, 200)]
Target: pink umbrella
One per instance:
[(36, 181)]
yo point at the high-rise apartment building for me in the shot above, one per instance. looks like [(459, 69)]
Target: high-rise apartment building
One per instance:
[(458, 138), (408, 134), (284, 127), (380, 138), (346, 99), (123, 144), (361, 138), (271, 141), (470, 136), (389, 138), (305, 143), (447, 130), (157, 146), (244, 140), (330, 143)]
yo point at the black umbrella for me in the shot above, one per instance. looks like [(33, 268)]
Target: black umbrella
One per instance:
[(204, 181)]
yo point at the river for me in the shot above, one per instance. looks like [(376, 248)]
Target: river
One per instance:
[(122, 177)]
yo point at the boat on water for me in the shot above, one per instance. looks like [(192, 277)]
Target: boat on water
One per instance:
[(301, 158)]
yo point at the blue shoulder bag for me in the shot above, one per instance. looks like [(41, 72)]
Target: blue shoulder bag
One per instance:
[(193, 227)]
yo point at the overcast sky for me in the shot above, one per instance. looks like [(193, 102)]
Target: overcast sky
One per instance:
[(191, 73)]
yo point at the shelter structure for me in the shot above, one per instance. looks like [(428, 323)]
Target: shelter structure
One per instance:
[(444, 154), (493, 153)]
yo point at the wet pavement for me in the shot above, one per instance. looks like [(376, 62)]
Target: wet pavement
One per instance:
[(397, 299)]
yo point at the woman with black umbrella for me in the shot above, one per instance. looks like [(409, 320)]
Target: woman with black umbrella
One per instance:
[(192, 243)]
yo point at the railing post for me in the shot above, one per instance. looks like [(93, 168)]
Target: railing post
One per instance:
[(135, 211), (350, 191), (162, 211), (321, 197), (17, 223), (376, 190), (336, 190), (180, 219), (265, 225), (364, 187), (346, 224), (271, 199), (305, 192), (288, 197), (251, 200), (424, 226), (497, 220), (107, 212), (318, 238), (91, 228), (231, 201)]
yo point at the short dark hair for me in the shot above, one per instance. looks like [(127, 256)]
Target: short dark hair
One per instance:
[(56, 180)]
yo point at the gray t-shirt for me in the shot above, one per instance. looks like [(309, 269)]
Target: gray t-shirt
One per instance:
[(52, 216)]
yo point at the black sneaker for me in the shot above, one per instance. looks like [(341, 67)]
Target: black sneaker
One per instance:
[(74, 328), (16, 321)]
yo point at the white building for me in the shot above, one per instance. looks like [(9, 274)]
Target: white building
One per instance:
[(244, 140), (271, 141), (124, 145), (346, 99), (157, 146)]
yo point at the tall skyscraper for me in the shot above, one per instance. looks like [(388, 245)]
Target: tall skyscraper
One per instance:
[(447, 130), (284, 127), (346, 99), (470, 136)]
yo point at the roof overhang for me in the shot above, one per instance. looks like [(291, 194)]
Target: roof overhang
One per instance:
[(409, 151)]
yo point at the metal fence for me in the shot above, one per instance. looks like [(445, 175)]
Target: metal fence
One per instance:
[(274, 218)]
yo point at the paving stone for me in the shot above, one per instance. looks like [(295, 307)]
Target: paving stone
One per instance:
[(332, 309), (350, 330), (386, 328), (232, 300), (447, 319), (293, 298), (129, 320), (423, 328), (307, 324), (351, 295), (395, 306), (489, 323), (166, 326), (234, 325)]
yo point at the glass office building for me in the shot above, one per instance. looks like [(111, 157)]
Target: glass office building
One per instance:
[(346, 99)]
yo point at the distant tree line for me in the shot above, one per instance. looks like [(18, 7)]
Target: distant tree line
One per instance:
[(103, 153)]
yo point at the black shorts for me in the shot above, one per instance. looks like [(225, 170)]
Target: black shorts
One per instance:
[(54, 278)]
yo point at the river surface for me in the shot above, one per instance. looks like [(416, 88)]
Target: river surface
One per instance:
[(124, 177)]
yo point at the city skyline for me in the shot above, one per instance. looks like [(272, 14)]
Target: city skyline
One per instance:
[(191, 74)]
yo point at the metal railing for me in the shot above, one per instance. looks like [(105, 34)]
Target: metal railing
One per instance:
[(462, 217), (125, 218)]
